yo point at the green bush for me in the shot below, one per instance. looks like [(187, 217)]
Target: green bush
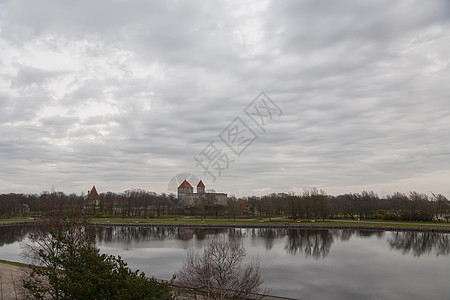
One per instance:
[(70, 266), (376, 216), (390, 216)]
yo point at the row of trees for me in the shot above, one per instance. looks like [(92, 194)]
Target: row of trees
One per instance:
[(312, 204), (129, 203), (316, 204)]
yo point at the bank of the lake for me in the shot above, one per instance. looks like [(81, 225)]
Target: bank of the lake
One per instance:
[(10, 278), (254, 223), (284, 226), (11, 274)]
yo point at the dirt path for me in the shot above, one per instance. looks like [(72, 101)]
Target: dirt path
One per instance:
[(10, 281)]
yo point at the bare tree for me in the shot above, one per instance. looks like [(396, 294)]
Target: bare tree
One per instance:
[(293, 205), (267, 206), (219, 272), (233, 207), (321, 203), (440, 206)]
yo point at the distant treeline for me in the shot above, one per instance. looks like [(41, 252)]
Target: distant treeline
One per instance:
[(313, 204)]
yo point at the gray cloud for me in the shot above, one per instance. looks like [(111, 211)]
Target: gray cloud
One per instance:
[(125, 94)]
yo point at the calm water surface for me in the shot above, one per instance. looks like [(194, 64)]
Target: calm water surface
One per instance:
[(301, 264)]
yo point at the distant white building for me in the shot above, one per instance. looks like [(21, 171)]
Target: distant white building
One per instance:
[(186, 193)]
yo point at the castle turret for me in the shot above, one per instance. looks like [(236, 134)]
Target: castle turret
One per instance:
[(200, 187), (93, 195), (185, 188)]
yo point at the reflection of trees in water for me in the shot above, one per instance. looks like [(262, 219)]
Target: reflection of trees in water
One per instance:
[(11, 234), (203, 233), (419, 243), (343, 235), (369, 233), (317, 243), (237, 233), (16, 233), (130, 234), (269, 235), (314, 243), (346, 234)]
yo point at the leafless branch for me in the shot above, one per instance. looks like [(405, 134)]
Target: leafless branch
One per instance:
[(219, 272)]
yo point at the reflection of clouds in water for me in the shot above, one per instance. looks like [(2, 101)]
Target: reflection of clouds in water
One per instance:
[(159, 262)]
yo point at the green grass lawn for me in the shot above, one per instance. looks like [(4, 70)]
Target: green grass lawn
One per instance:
[(213, 221), (13, 263), (257, 222), (184, 221), (16, 219), (387, 224)]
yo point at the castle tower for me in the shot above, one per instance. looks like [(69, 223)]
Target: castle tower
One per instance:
[(92, 194), (185, 188), (200, 187), (93, 197)]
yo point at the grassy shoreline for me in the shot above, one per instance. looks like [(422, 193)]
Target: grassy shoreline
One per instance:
[(277, 225), (187, 221), (13, 263), (196, 222)]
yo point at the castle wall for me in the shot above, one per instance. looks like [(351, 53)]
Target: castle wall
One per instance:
[(187, 195), (191, 198)]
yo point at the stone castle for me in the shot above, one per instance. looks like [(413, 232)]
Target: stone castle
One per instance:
[(186, 194)]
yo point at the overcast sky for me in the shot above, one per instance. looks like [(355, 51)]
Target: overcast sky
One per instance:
[(128, 94)]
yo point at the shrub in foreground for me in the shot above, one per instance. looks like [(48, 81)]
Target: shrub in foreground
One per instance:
[(70, 266)]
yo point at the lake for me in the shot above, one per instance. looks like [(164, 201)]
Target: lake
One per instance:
[(301, 264)]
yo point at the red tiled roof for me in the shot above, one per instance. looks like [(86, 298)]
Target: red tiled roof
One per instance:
[(200, 184), (185, 185), (93, 194)]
